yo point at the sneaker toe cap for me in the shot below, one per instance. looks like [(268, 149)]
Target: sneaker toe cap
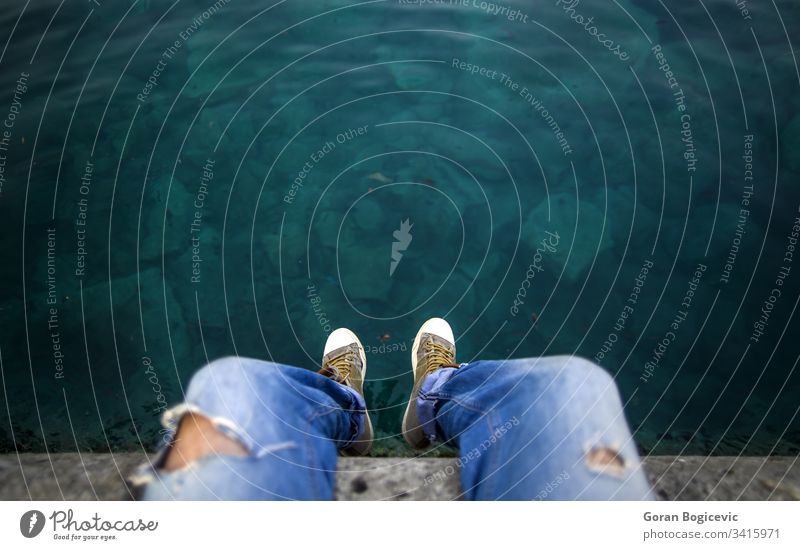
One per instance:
[(440, 328), (339, 338)]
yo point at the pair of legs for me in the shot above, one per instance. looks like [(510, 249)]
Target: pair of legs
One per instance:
[(545, 428)]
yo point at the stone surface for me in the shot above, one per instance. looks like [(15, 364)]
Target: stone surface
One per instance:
[(725, 478), (84, 476), (99, 476)]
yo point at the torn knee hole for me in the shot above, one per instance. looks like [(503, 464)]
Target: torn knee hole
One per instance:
[(197, 436), (605, 459)]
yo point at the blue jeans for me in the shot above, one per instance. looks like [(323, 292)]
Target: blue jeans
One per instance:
[(548, 428)]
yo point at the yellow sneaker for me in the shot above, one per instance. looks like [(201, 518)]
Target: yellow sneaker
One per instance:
[(434, 348), (345, 362)]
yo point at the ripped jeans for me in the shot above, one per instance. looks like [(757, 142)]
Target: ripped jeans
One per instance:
[(547, 428)]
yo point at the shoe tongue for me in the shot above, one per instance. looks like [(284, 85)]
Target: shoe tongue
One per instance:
[(449, 346), (436, 339), (331, 372)]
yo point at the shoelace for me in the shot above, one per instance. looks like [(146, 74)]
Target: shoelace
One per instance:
[(436, 356), (342, 365)]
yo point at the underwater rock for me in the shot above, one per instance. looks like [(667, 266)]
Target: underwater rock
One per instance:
[(365, 271), (408, 75), (377, 176), (790, 144), (621, 217), (575, 257), (170, 215)]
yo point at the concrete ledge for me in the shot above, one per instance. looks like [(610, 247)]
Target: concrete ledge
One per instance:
[(92, 476)]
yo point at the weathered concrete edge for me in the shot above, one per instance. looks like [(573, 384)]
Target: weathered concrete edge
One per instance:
[(92, 476)]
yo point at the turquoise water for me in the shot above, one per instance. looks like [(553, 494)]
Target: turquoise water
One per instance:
[(187, 180)]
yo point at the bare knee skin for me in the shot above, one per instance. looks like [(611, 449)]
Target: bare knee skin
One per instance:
[(197, 437), (606, 460)]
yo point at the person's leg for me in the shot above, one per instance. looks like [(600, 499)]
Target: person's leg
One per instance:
[(251, 429), (548, 428)]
